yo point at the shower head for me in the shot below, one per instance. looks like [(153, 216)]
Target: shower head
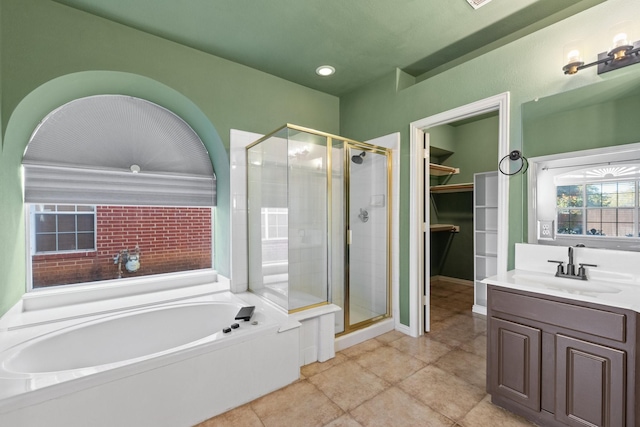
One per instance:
[(359, 158)]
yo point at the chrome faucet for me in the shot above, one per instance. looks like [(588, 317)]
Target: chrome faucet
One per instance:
[(571, 268)]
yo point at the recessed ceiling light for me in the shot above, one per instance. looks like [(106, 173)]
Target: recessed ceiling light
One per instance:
[(135, 168), (325, 70)]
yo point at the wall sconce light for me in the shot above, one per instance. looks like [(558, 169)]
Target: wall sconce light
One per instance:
[(622, 53)]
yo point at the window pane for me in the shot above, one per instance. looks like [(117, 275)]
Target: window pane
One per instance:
[(569, 196), (594, 215), (594, 195), (85, 241), (45, 223), (67, 242), (108, 231), (609, 215), (625, 229), (66, 208), (594, 222), (609, 229), (569, 221), (627, 194), (66, 223), (82, 208), (625, 215), (45, 243), (85, 222)]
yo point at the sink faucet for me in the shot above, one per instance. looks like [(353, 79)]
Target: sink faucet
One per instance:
[(571, 268)]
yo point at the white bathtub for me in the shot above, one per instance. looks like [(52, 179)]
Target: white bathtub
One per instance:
[(168, 365)]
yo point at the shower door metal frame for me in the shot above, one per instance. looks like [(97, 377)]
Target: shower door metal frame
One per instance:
[(350, 145)]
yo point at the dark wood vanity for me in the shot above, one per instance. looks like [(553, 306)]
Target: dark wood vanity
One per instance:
[(558, 361)]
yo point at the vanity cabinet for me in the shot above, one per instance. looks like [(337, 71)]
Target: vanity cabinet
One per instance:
[(558, 361)]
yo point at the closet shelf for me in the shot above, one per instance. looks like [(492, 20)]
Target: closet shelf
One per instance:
[(441, 170), (452, 188), (444, 227)]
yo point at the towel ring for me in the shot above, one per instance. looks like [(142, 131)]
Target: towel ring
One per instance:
[(514, 156)]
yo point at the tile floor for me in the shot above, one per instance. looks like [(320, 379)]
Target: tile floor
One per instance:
[(392, 380)]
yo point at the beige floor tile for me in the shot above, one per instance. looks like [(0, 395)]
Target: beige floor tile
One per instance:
[(443, 391), (452, 304), (421, 348), (241, 416), (390, 336), (317, 367), (451, 336), (363, 347), (395, 408), (390, 364), (441, 291), (468, 366), (458, 287), (439, 314), (466, 323), (478, 346), (300, 404), (348, 384), (486, 414), (344, 421)]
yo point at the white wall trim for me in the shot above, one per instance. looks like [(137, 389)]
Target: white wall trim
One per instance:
[(419, 257), (392, 142)]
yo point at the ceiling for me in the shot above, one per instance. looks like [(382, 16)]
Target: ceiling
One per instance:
[(363, 39)]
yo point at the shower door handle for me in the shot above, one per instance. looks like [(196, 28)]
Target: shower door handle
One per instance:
[(349, 237)]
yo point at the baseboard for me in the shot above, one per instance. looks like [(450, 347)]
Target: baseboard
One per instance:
[(362, 335), (451, 280), (479, 309)]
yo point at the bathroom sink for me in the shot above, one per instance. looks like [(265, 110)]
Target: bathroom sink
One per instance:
[(573, 286)]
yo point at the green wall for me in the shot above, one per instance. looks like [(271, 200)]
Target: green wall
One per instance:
[(602, 124), (528, 68), (51, 54)]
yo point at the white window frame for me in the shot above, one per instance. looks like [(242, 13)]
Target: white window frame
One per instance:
[(33, 235), (613, 155), (584, 208), (265, 212)]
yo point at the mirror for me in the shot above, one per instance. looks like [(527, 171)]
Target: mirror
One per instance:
[(583, 183)]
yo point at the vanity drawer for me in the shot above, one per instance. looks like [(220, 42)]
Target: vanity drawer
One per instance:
[(592, 321)]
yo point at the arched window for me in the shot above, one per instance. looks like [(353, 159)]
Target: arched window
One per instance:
[(116, 187)]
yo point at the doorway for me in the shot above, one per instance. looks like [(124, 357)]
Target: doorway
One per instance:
[(420, 246)]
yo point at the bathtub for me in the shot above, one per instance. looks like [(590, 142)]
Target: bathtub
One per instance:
[(166, 365)]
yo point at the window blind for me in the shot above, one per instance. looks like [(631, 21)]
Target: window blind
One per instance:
[(84, 153)]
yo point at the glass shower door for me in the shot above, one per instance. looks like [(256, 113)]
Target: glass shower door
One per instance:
[(368, 236)]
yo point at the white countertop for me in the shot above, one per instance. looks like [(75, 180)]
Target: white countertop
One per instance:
[(615, 292)]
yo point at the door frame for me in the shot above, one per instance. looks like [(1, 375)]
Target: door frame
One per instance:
[(419, 268)]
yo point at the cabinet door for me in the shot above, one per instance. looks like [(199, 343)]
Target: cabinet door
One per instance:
[(590, 381), (514, 354)]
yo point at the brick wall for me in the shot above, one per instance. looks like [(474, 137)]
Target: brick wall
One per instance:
[(170, 239)]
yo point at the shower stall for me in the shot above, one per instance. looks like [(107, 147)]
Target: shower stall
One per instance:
[(319, 224)]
